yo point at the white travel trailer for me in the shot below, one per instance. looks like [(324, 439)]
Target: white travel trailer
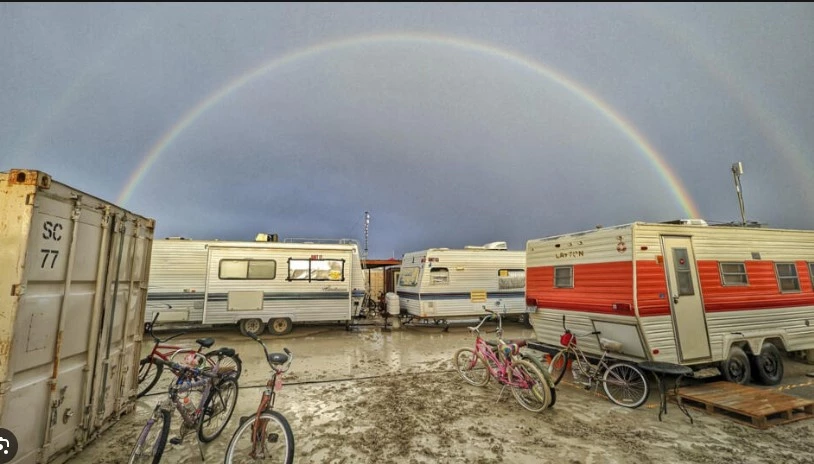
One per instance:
[(73, 273), (255, 284), (443, 283), (681, 292)]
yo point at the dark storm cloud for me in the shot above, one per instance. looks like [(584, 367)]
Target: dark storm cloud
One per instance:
[(444, 145)]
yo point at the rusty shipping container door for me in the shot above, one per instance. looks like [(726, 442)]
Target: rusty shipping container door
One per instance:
[(73, 280)]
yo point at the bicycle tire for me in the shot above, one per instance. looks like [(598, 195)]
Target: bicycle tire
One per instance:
[(558, 365), (628, 385), (470, 367), (218, 405), (544, 371), (537, 396), (156, 449), (240, 446), (228, 362), (146, 383)]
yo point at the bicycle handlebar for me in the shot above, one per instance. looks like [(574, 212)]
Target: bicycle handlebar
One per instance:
[(266, 351), (158, 340)]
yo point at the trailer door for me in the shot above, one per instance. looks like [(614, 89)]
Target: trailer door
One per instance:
[(685, 299)]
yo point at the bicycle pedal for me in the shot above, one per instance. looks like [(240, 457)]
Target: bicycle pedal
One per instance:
[(176, 440)]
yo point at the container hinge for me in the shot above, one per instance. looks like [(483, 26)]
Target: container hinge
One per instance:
[(17, 290)]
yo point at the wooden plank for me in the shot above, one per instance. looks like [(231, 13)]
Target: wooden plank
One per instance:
[(749, 405)]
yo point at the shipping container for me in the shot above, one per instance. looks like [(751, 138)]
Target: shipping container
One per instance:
[(73, 280)]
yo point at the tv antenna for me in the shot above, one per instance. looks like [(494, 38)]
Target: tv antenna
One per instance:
[(737, 171)]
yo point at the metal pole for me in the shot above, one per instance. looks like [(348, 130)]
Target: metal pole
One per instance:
[(737, 170)]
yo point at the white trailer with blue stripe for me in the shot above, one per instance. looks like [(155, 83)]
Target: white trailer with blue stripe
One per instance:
[(444, 283), (255, 284)]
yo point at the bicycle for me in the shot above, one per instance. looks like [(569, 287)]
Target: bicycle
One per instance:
[(265, 434), (218, 397), (150, 372), (624, 383), (529, 382)]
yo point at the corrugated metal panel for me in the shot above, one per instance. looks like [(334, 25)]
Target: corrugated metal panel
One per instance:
[(470, 272), (651, 288), (761, 292), (596, 287), (75, 274)]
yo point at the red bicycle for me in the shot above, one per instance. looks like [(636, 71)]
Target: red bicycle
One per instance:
[(150, 371), (503, 361)]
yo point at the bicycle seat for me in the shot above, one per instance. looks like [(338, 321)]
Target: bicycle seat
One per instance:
[(225, 352), (278, 358), (610, 345), (205, 342)]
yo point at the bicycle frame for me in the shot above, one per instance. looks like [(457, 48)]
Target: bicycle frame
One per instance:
[(500, 358), (273, 385)]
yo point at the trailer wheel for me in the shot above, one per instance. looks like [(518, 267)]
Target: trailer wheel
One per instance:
[(736, 367), (768, 365), (254, 326), (280, 326)]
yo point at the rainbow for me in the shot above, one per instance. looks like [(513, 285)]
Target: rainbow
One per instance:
[(683, 199)]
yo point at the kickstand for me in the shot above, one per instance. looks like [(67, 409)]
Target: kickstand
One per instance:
[(500, 395), (200, 449)]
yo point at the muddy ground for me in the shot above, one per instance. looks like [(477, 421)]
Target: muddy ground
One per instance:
[(391, 396)]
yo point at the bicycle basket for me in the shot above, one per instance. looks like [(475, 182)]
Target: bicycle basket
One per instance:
[(567, 338)]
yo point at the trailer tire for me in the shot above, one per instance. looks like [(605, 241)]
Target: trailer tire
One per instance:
[(254, 326), (768, 365), (280, 326), (736, 367)]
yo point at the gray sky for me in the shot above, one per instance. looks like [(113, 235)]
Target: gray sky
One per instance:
[(452, 124)]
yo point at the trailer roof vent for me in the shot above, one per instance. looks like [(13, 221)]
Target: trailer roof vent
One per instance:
[(688, 222), (496, 246), (266, 238)]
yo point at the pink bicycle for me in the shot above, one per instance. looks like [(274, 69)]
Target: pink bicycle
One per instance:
[(503, 361)]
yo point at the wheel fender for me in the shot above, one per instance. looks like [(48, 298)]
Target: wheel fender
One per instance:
[(751, 342)]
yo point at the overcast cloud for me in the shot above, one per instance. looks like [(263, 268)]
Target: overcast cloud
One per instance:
[(452, 124)]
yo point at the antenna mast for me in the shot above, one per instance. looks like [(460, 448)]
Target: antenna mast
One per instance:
[(737, 170), (367, 227)]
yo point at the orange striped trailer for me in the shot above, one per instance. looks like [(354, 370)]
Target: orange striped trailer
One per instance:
[(725, 297)]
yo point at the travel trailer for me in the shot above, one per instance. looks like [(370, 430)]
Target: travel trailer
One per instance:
[(720, 299), (255, 284), (74, 275), (443, 283)]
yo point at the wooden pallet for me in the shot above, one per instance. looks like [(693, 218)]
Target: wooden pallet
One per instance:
[(748, 405)]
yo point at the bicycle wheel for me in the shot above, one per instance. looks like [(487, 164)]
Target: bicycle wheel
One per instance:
[(545, 373), (152, 439), (558, 365), (537, 395), (469, 366), (625, 385), (148, 374), (233, 363), (273, 442), (218, 409)]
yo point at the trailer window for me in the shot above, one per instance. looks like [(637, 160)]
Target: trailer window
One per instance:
[(511, 278), (564, 276), (316, 269), (408, 277), (683, 272), (787, 277), (247, 269), (439, 276), (733, 274)]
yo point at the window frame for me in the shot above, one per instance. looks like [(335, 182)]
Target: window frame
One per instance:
[(570, 269), (437, 270), (310, 270), (724, 275), (509, 277), (248, 262), (795, 278)]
